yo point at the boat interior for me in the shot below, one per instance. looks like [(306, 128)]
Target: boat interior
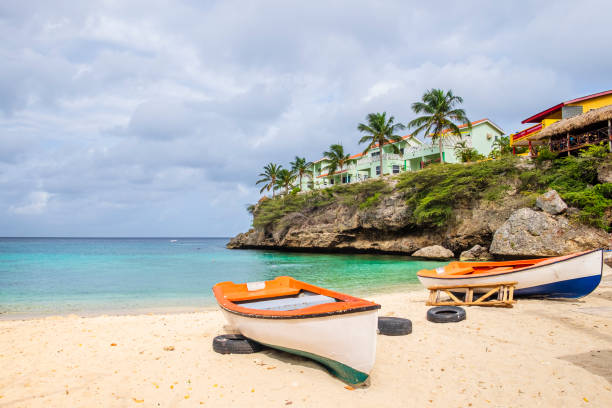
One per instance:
[(300, 300), (456, 268)]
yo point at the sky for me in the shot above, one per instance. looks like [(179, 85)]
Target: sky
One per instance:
[(154, 118)]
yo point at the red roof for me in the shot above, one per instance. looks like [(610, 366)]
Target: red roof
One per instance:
[(539, 116), (464, 125)]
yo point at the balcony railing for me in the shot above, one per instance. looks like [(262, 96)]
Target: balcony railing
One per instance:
[(564, 144)]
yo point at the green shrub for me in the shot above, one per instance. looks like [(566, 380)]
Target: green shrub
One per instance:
[(366, 193), (371, 201), (434, 192), (593, 206), (544, 154), (604, 189), (600, 151)]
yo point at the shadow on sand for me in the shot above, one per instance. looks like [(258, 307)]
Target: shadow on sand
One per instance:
[(598, 362)]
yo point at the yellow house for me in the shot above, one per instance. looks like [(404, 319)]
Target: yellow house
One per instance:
[(563, 110)]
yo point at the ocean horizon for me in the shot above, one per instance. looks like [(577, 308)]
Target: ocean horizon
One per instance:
[(44, 276)]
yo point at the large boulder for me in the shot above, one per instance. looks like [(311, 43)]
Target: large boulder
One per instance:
[(533, 233), (476, 253), (435, 252), (551, 202)]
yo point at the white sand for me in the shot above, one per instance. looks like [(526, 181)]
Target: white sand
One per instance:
[(540, 353)]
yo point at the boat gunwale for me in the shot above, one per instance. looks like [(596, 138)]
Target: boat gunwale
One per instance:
[(348, 304), (303, 316), (552, 261)]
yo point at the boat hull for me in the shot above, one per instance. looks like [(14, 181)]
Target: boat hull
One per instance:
[(344, 343), (569, 277)]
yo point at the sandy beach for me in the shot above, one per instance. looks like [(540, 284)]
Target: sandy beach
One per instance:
[(539, 353)]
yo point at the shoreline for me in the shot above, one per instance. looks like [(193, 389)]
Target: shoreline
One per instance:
[(172, 310), (212, 306)]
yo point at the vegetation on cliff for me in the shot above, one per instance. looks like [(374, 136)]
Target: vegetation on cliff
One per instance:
[(432, 195)]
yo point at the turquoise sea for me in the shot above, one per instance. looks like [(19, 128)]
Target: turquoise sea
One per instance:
[(88, 276)]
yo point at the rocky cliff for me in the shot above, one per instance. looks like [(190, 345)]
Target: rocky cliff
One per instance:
[(490, 204)]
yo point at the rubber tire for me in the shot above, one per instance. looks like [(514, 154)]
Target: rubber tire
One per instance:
[(235, 344), (394, 326), (446, 314)]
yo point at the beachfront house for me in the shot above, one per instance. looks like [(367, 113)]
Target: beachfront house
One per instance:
[(414, 154), (573, 125)]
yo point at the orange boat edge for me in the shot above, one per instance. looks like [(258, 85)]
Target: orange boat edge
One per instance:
[(457, 269), (230, 295)]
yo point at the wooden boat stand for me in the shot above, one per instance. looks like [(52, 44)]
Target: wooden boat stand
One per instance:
[(504, 290)]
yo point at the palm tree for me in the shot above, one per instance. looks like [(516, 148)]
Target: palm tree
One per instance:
[(380, 131), (269, 177), (300, 167), (284, 179), (440, 116), (502, 145), (460, 147), (466, 153), (336, 157)]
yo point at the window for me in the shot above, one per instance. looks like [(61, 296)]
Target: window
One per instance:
[(396, 168), (377, 170), (375, 154), (331, 181), (402, 151)]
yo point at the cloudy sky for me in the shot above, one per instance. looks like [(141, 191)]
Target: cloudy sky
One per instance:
[(153, 118)]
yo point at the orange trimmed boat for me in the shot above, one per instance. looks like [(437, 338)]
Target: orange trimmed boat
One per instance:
[(335, 329), (570, 276)]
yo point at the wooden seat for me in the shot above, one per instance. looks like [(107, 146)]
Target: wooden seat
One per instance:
[(500, 269), (262, 293), (457, 268)]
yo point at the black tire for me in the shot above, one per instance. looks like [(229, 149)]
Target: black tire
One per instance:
[(394, 326), (446, 314), (235, 344)]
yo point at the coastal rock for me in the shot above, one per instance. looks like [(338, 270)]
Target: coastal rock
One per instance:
[(604, 172), (387, 225), (252, 238), (390, 214), (532, 233), (551, 202), (476, 253), (434, 251)]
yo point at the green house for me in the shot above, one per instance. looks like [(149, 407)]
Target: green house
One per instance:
[(413, 155)]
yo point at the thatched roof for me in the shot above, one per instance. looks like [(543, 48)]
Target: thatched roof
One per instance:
[(577, 122)]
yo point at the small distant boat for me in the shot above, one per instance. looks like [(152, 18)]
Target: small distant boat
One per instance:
[(570, 276), (173, 240), (337, 330)]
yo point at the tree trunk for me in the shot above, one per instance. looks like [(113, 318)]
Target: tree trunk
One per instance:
[(300, 181), (440, 147), (273, 187), (381, 160)]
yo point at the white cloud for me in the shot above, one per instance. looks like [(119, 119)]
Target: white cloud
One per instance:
[(36, 204)]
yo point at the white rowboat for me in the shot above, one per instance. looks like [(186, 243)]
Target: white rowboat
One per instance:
[(335, 329)]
